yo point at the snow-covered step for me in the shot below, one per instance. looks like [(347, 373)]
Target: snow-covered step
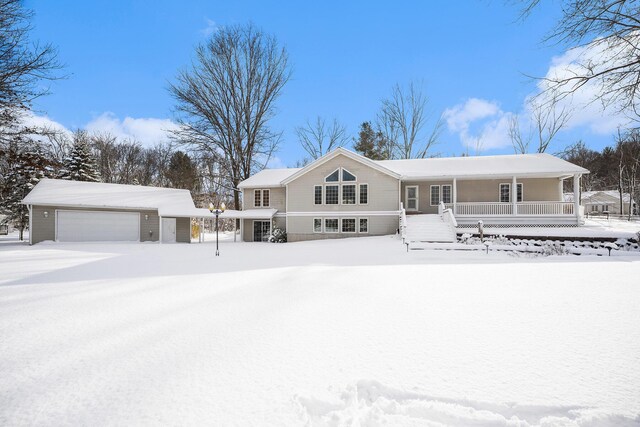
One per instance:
[(429, 228)]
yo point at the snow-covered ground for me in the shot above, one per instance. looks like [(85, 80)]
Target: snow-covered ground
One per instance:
[(354, 332)]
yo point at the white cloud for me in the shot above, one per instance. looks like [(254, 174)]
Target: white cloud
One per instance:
[(481, 124), (147, 131), (211, 28)]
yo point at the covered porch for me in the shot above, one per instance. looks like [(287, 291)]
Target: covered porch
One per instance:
[(535, 201)]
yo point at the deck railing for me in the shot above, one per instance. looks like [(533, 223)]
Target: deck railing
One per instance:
[(505, 209)]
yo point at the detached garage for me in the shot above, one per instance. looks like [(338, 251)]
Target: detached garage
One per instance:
[(74, 211)]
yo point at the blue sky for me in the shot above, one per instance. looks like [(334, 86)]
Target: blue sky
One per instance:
[(473, 57)]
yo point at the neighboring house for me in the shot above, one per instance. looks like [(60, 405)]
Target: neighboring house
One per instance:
[(343, 194), (4, 225), (75, 211), (598, 202)]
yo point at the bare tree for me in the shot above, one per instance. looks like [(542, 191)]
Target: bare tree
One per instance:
[(548, 117), (611, 29), (628, 152), (319, 138), (226, 99), (22, 65), (402, 119)]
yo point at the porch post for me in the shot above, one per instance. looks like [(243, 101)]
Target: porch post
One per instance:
[(455, 196), (576, 196), (514, 195), (241, 230), (235, 224), (160, 229)]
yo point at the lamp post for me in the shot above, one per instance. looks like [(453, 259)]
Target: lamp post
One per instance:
[(216, 212)]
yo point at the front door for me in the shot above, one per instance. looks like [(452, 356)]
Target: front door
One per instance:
[(411, 196), (168, 230), (261, 231)]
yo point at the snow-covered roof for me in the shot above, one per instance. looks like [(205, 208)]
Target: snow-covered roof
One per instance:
[(521, 165), (250, 213), (59, 192), (595, 197), (268, 178)]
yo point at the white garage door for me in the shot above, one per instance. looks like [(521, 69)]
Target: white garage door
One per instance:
[(83, 226)]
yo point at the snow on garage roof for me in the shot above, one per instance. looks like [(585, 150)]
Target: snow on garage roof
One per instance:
[(538, 165), (268, 178), (60, 192)]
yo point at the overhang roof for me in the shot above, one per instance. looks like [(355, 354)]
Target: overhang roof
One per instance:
[(167, 201), (268, 178), (521, 165)]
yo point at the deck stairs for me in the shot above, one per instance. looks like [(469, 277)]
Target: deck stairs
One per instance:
[(429, 228)]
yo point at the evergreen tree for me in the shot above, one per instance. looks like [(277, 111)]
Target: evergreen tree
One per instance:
[(80, 165), (182, 172), (371, 143), (28, 165)]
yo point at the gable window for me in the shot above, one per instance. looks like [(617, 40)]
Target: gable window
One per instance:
[(446, 194), (505, 192), (331, 195), (435, 195), (364, 194), (334, 177), (257, 198), (317, 225), (364, 225), (317, 198), (347, 176), (349, 194), (331, 225), (348, 225)]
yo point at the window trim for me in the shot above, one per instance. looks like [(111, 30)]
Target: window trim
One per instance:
[(325, 195), (359, 193), (520, 185), (339, 170), (359, 229), (417, 198), (349, 172), (268, 191), (450, 193), (257, 202), (355, 225), (431, 195), (508, 184), (321, 195), (325, 225), (355, 194), (313, 225)]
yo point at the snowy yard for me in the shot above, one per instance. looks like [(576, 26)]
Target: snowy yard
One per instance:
[(355, 332)]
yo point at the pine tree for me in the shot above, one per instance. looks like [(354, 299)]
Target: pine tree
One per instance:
[(28, 165), (370, 143), (80, 165)]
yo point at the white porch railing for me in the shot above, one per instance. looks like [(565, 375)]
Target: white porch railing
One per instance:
[(521, 208)]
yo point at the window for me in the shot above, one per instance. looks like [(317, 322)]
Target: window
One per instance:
[(364, 194), (520, 192), (331, 225), (349, 194), (317, 225), (412, 198), (257, 198), (505, 194), (334, 177), (331, 195), (446, 194), (594, 208), (364, 225), (435, 195), (318, 194), (605, 208), (347, 176), (261, 198), (348, 225)]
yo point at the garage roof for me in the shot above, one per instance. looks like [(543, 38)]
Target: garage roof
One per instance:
[(60, 192)]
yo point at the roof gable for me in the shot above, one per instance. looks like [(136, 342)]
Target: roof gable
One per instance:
[(340, 152)]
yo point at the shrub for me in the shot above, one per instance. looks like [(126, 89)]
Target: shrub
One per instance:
[(278, 236)]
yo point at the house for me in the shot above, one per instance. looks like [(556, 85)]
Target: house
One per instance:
[(75, 211), (344, 194), (598, 202), (5, 224)]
